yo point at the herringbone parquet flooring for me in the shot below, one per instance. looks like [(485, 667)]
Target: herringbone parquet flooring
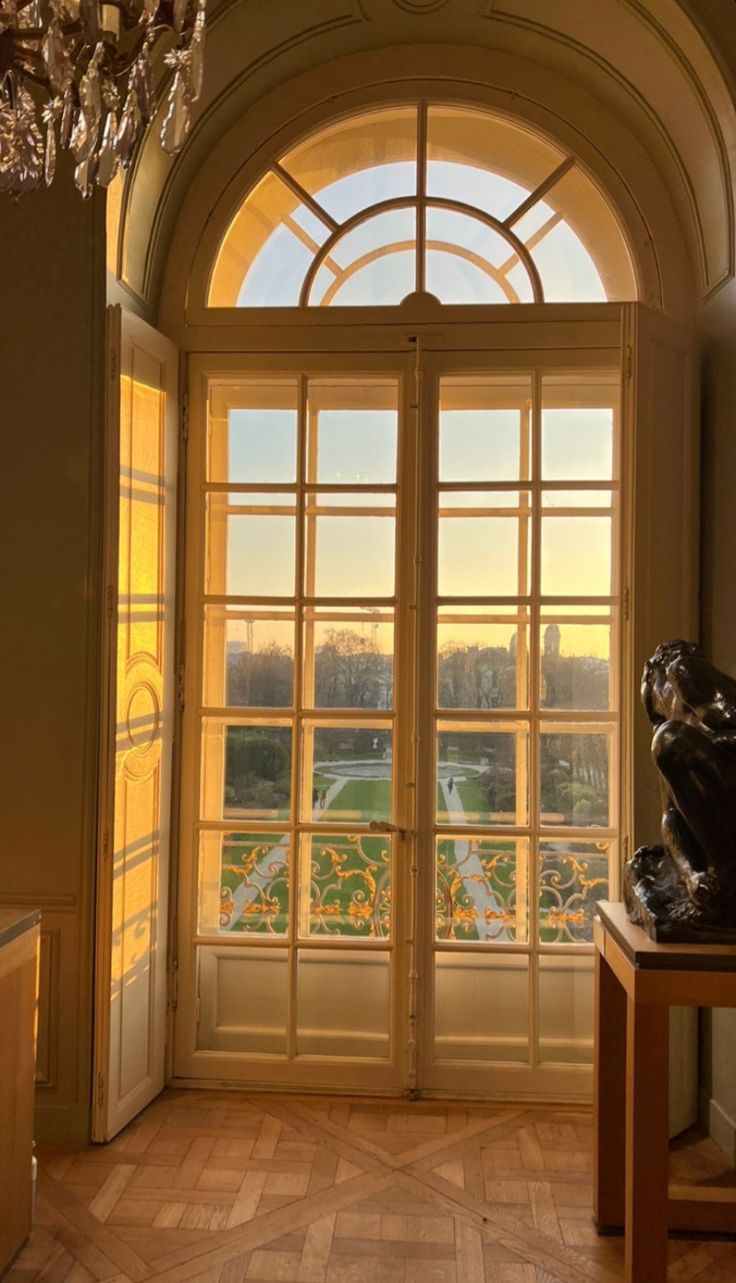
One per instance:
[(223, 1187)]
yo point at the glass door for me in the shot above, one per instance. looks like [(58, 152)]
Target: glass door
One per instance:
[(520, 806), (400, 777), (296, 771)]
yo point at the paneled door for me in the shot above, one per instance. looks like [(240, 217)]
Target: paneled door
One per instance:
[(400, 766)]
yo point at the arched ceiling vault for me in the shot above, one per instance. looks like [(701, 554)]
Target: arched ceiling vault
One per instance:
[(633, 86)]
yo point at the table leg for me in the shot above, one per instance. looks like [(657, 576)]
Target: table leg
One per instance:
[(647, 1142), (609, 1132)]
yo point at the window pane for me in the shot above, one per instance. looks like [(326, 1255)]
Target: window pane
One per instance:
[(252, 437), (557, 499), (574, 778), (355, 1019), (481, 1007), (353, 431), (248, 658), (373, 264), (348, 879), (577, 440), (244, 883), (576, 556), (359, 161), (473, 154), (266, 252), (480, 556), (480, 664), (566, 268), (481, 777), (484, 426), (251, 545), (347, 773), (350, 556), (466, 260), (576, 666), (481, 889), (348, 660), (573, 876), (246, 771)]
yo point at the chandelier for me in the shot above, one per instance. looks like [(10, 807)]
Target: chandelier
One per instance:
[(78, 75)]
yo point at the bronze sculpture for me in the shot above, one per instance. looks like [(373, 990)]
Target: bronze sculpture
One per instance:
[(685, 890)]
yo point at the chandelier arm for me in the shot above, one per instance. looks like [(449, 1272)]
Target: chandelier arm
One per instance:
[(32, 55), (42, 81)]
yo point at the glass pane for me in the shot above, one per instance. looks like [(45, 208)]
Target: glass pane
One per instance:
[(599, 234), (248, 658), (453, 276), (466, 261), (343, 1003), (573, 876), (574, 778), (566, 1010), (350, 556), (472, 155), (481, 889), (252, 437), (243, 999), (348, 659), (576, 666), (348, 880), (481, 1007), (266, 251), (243, 883), (353, 431), (576, 556), (484, 426), (246, 771), (577, 499), (567, 269), (577, 438), (350, 770), (481, 777), (480, 664), (481, 556), (250, 545), (372, 264), (359, 161)]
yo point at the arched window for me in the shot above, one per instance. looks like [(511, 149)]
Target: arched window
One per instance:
[(459, 203)]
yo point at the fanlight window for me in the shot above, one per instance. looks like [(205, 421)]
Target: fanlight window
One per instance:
[(454, 202)]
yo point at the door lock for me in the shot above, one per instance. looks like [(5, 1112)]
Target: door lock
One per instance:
[(381, 826)]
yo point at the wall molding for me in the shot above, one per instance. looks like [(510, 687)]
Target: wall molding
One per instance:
[(708, 286)]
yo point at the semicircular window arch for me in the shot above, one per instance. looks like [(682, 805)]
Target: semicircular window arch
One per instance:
[(456, 202)]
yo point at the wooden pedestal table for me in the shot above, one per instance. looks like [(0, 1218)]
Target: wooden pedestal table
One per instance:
[(637, 981), (19, 931)]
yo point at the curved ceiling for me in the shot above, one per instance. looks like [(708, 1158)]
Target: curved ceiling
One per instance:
[(632, 85)]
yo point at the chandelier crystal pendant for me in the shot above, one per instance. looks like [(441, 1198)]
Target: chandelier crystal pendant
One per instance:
[(78, 74)]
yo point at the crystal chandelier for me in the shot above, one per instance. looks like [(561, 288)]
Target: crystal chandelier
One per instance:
[(85, 69)]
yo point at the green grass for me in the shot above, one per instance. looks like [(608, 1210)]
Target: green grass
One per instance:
[(363, 798), (474, 800)]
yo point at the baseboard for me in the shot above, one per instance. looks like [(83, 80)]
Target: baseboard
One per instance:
[(723, 1131), (65, 1125)]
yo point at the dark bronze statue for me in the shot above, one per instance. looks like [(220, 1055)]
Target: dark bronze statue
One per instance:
[(685, 890)]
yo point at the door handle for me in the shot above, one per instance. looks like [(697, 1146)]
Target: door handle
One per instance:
[(382, 826)]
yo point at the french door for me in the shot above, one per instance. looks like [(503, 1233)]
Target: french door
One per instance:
[(400, 785)]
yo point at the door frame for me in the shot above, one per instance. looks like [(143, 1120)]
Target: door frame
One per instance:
[(562, 337)]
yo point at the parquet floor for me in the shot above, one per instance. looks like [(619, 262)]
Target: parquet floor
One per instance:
[(223, 1187)]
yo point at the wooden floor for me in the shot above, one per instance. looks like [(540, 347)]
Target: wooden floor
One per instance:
[(219, 1187)]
